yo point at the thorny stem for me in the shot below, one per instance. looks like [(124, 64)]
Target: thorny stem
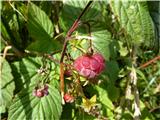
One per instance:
[(69, 33), (72, 29)]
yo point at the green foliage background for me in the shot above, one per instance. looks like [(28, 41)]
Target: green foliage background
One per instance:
[(126, 33)]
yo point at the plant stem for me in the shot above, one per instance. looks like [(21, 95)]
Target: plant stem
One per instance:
[(8, 43), (69, 33), (72, 29), (149, 62), (134, 79)]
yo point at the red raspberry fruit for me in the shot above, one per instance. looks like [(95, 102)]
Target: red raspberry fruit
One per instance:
[(68, 98), (40, 92), (90, 66)]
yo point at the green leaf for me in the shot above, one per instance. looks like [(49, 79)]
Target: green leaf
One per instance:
[(39, 21), (41, 29), (145, 114), (81, 115), (26, 72), (7, 85), (134, 17), (72, 9), (114, 92), (101, 37), (141, 74), (112, 70), (4, 31), (103, 98), (155, 14), (26, 106), (67, 112), (101, 41), (123, 50), (2, 45)]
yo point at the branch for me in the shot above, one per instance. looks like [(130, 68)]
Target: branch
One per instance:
[(69, 33), (5, 51), (149, 62), (153, 109), (8, 43), (72, 29)]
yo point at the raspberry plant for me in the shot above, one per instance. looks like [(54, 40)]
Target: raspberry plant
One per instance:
[(80, 60)]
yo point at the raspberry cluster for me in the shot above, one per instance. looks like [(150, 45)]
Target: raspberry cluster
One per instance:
[(40, 92), (90, 66)]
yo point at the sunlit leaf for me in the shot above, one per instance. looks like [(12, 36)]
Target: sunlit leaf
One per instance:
[(67, 17), (26, 72), (41, 29), (123, 50), (101, 42), (134, 17), (7, 85), (103, 98), (27, 106)]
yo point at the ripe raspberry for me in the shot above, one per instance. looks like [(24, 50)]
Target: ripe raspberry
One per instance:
[(68, 98), (90, 66)]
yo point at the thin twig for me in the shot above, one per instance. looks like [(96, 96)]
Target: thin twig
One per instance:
[(149, 62), (5, 51), (8, 43), (153, 109), (8, 54), (17, 11), (69, 33)]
